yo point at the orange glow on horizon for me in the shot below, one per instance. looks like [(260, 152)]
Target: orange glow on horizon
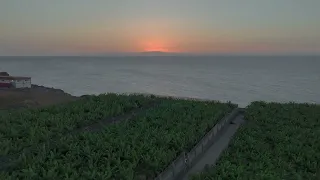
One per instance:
[(161, 46), (155, 46), (156, 49)]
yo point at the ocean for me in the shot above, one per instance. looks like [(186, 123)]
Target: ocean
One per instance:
[(239, 79)]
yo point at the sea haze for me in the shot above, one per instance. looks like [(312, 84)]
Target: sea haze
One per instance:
[(240, 79)]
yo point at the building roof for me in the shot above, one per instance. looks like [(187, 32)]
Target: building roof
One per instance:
[(14, 78)]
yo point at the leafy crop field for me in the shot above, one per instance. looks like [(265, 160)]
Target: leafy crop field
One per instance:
[(137, 149), (280, 141), (22, 128)]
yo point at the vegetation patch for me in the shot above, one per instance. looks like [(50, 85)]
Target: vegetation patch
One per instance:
[(280, 141), (22, 128), (137, 149)]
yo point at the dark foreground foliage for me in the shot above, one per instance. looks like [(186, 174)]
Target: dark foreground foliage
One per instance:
[(22, 128), (137, 149), (280, 141)]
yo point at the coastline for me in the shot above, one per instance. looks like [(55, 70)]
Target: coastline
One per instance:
[(36, 96), (40, 96)]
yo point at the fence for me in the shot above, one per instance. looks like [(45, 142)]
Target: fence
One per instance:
[(186, 159)]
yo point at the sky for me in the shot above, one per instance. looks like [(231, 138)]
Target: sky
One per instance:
[(78, 27)]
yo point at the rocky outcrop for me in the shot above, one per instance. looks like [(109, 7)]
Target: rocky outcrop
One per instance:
[(35, 97), (4, 74), (47, 89)]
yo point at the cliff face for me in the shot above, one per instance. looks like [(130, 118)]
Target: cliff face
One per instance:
[(4, 74)]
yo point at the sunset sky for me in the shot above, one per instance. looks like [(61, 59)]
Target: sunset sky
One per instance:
[(63, 27)]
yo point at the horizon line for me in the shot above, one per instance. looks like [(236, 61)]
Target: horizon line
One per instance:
[(163, 53)]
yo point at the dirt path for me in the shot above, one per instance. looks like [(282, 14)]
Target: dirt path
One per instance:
[(213, 153)]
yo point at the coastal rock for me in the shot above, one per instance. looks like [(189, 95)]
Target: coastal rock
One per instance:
[(47, 89), (4, 74), (34, 97)]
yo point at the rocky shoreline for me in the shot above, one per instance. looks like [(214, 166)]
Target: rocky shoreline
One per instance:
[(48, 89), (35, 87), (34, 97)]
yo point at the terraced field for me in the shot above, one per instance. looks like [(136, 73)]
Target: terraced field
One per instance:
[(137, 149), (280, 141)]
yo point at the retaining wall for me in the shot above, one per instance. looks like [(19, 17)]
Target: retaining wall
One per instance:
[(187, 159)]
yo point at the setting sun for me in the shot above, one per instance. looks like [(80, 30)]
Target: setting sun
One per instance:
[(155, 47)]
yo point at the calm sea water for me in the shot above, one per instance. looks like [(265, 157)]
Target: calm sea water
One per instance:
[(237, 79)]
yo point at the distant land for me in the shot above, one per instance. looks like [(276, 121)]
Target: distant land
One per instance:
[(148, 53), (160, 53)]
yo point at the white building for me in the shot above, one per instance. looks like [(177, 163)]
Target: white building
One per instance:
[(15, 82)]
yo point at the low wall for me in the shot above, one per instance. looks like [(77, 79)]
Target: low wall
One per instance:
[(187, 159)]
